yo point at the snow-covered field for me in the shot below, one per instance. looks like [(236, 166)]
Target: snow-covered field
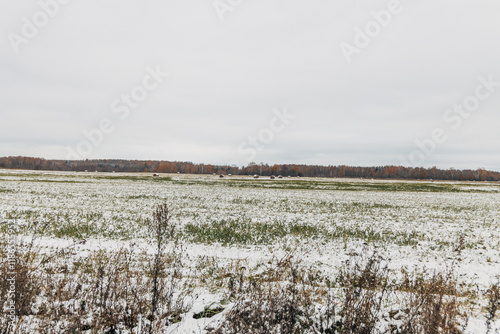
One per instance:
[(412, 224)]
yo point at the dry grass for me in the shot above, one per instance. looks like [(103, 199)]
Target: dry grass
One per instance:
[(130, 291), (435, 304), (276, 301), (105, 292), (289, 298), (493, 297)]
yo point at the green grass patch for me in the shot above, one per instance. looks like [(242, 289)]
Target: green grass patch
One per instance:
[(294, 184), (132, 178), (245, 232), (53, 181)]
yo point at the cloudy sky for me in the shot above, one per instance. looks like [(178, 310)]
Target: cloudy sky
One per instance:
[(285, 81)]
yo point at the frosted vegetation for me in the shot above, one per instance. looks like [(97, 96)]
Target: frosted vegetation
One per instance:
[(329, 255)]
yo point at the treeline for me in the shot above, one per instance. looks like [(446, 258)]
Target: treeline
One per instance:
[(154, 166)]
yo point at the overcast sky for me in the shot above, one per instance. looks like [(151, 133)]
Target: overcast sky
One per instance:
[(344, 97)]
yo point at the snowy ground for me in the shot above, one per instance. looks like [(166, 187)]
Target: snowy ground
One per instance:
[(412, 224)]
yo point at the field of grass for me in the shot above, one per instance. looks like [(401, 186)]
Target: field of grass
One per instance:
[(241, 222)]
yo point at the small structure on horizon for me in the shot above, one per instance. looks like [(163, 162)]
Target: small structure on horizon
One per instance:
[(221, 176), (272, 177), (256, 176), (156, 175)]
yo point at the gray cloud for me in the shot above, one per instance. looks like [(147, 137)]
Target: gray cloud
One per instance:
[(227, 76)]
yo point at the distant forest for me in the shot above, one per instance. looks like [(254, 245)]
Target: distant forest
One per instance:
[(151, 166)]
